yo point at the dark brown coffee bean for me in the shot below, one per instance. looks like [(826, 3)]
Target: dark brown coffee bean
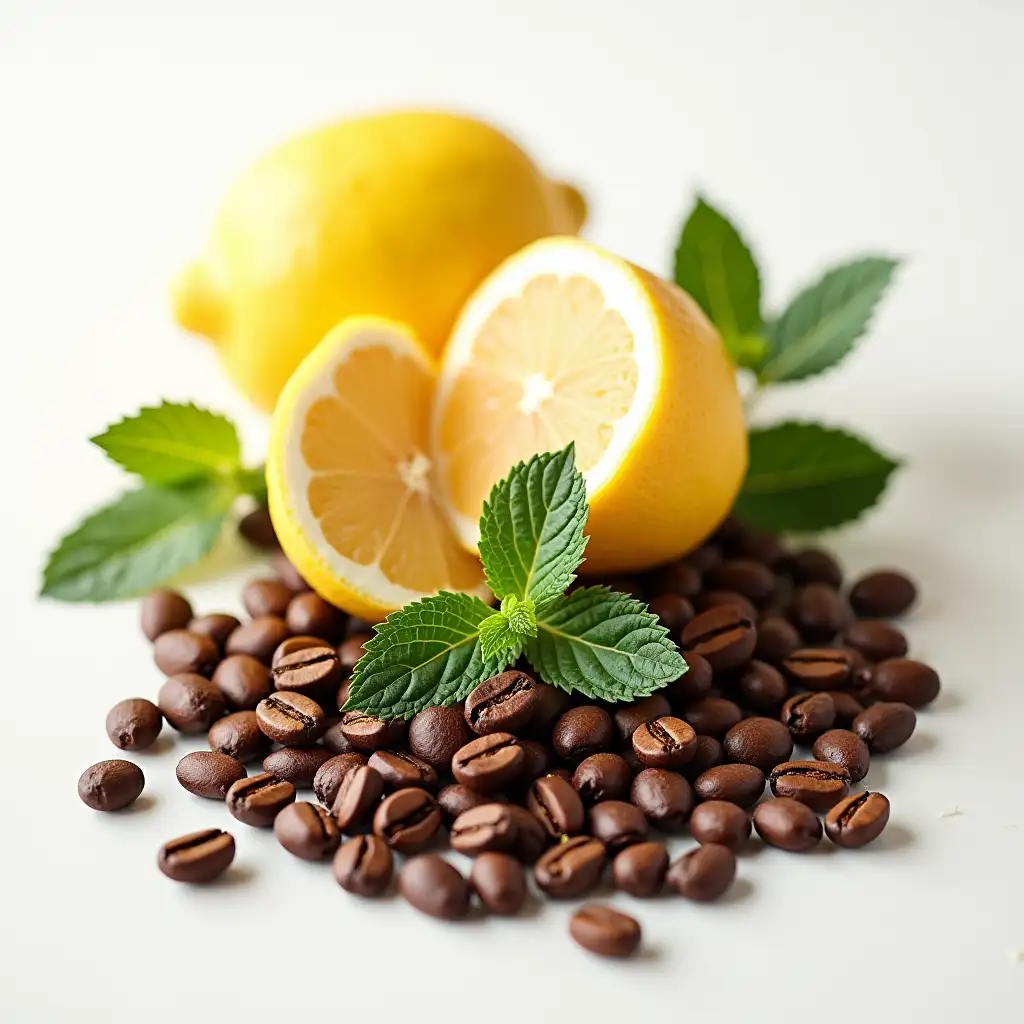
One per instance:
[(190, 703), (754, 580), (712, 716), (162, 611), (289, 575), (179, 651), (762, 687), (885, 726), (531, 839), (407, 820), (847, 706), (905, 681), (815, 566), (640, 869), (820, 668), (297, 765), (705, 557), (664, 797), (703, 874), (208, 774), (882, 594), (551, 704), (876, 640), (435, 734), (556, 805), (536, 761), (257, 528), (368, 733), (617, 824), (583, 731), (673, 612), (335, 740), (693, 685), (351, 650), (197, 857), (498, 879), (808, 715), (723, 635), (490, 763), (818, 784), (313, 671), (664, 742), (787, 824), (776, 639), (629, 716), (307, 831), (762, 742), (503, 703), (679, 579), (290, 718), (400, 770), (243, 680), (708, 599), (258, 799), (266, 597), (761, 546), (111, 785), (217, 626), (134, 724), (302, 642), (571, 869), (490, 826), (818, 612), (329, 775), (309, 614), (842, 747), (729, 533), (605, 932), (357, 797), (602, 777), (258, 638), (740, 784), (239, 736), (718, 821), (434, 887), (857, 820), (363, 865), (456, 799)]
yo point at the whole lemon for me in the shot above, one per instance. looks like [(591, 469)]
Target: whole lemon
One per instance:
[(398, 215)]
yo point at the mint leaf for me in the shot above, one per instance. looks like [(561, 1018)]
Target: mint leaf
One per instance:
[(531, 528), (426, 654), (497, 635), (820, 326), (172, 443), (604, 644), (253, 482), (521, 615), (803, 476), (717, 268), (144, 538)]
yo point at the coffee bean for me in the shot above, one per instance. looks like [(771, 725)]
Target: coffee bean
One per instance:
[(208, 774), (818, 612), (329, 775), (486, 827), (693, 685), (556, 805), (664, 797), (808, 715), (258, 638), (703, 874), (762, 687), (239, 736), (290, 718), (363, 865), (190, 703), (400, 770), (724, 635), (857, 820), (754, 580), (297, 765), (351, 650), (456, 799), (703, 558), (490, 763), (178, 651), (787, 824), (673, 612), (134, 724), (840, 746), (198, 856), (307, 831), (629, 716), (571, 869), (602, 777), (302, 642), (217, 627), (551, 704), (258, 799), (435, 734), (718, 821), (583, 731), (606, 932), (905, 681), (818, 784), (876, 640), (761, 546), (407, 820), (882, 594), (729, 533), (617, 824), (434, 887), (313, 671), (530, 839), (357, 797), (762, 742), (258, 529), (740, 784), (266, 597), (677, 578), (819, 668), (503, 703), (640, 869), (162, 611), (776, 639), (664, 742), (335, 741), (885, 726), (712, 716), (111, 785), (498, 879), (815, 566), (368, 733), (708, 599), (536, 761), (243, 681), (310, 614)]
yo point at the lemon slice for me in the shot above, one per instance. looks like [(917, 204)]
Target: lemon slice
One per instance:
[(350, 484), (565, 342)]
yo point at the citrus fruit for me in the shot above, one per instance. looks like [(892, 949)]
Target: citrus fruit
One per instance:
[(349, 481), (565, 342), (399, 215)]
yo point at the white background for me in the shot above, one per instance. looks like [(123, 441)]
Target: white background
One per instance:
[(827, 129)]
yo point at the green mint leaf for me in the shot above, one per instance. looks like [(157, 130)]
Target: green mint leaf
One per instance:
[(717, 268), (820, 326), (531, 528), (604, 644), (172, 443), (803, 476), (521, 614), (426, 654), (253, 482), (497, 635), (140, 540)]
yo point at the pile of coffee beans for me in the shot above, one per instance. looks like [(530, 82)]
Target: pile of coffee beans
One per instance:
[(528, 781)]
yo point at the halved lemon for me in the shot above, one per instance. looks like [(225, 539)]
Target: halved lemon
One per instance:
[(349, 481), (566, 342)]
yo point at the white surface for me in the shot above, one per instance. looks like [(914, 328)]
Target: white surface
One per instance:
[(828, 129)]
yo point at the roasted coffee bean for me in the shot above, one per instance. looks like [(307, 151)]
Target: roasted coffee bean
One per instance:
[(905, 681), (258, 638), (434, 887), (693, 685), (820, 668), (762, 546), (583, 731), (307, 831), (740, 784), (197, 857), (640, 869), (629, 716), (258, 799), (363, 865), (490, 763), (536, 761), (179, 651), (164, 610), (190, 703), (289, 575), (617, 824), (857, 820), (111, 785), (297, 765), (787, 824), (243, 681), (818, 612), (729, 533), (407, 820), (134, 724), (708, 599), (882, 594), (777, 638), (847, 706), (368, 733), (329, 775), (705, 557), (551, 704), (762, 742), (357, 797), (606, 932), (530, 839), (818, 784), (724, 636), (815, 566), (708, 754), (571, 869), (217, 626), (703, 874), (503, 703), (762, 687), (208, 774), (239, 736), (664, 742), (302, 642), (673, 612), (351, 650), (290, 718), (718, 821), (313, 671), (266, 597), (309, 614), (602, 777), (456, 799), (486, 827), (885, 726), (435, 734), (754, 580), (664, 797), (808, 715), (400, 770), (842, 747), (712, 716), (679, 578), (876, 640), (556, 805), (258, 529), (498, 879), (335, 740)]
